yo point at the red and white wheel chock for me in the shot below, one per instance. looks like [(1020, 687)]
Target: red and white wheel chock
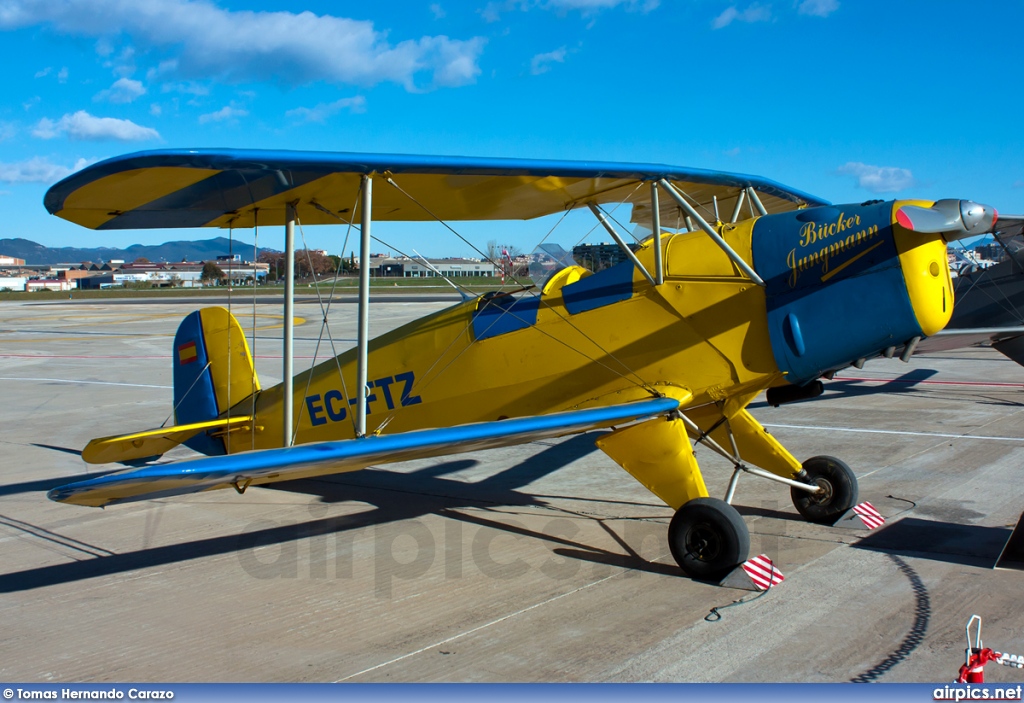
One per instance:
[(976, 657)]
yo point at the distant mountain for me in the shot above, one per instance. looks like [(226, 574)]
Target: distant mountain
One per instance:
[(202, 250)]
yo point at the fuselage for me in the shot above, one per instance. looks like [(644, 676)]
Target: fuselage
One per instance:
[(842, 282)]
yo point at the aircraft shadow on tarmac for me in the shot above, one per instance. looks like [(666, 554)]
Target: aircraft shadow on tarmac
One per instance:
[(967, 545), (426, 491)]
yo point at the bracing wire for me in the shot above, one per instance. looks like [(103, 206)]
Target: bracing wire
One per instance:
[(231, 286), (334, 287), (532, 291), (444, 224), (642, 383), (185, 395), (1006, 303), (324, 325), (430, 377), (427, 379), (252, 378)]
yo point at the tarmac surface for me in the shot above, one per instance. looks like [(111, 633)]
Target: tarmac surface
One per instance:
[(543, 562)]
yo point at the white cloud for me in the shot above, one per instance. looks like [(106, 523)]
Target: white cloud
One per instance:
[(735, 151), (7, 130), (321, 112), (493, 10), (753, 13), (124, 63), (186, 88), (241, 45), (818, 8), (438, 11), (124, 90), (587, 6), (62, 74), (104, 47), (37, 170), (85, 127), (226, 113), (541, 63), (878, 179), (155, 109)]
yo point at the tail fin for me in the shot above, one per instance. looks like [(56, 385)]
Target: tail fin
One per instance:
[(213, 371)]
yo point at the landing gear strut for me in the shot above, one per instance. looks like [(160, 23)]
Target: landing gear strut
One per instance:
[(708, 538)]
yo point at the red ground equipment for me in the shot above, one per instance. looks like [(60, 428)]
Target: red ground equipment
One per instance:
[(976, 657)]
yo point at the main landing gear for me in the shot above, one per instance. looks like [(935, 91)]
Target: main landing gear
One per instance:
[(838, 490), (708, 537)]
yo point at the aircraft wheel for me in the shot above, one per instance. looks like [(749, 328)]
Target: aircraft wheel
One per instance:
[(839, 494), (708, 538)]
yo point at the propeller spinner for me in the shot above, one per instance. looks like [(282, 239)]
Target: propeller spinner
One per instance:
[(954, 219)]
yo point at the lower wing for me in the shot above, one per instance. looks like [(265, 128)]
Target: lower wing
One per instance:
[(270, 465)]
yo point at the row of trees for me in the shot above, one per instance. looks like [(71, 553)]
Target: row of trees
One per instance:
[(308, 263)]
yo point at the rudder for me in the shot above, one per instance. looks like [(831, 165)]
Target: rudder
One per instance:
[(213, 371)]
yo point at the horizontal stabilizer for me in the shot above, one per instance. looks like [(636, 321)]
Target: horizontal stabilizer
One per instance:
[(140, 445), (303, 461)]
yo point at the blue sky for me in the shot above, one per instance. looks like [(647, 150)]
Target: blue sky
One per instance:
[(846, 100)]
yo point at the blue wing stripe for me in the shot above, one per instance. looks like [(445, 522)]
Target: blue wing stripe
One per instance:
[(202, 474)]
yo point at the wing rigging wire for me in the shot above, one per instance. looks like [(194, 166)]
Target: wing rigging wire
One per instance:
[(174, 408), (391, 181), (255, 256), (640, 382), (1006, 303), (568, 321), (231, 285), (325, 310), (252, 377), (429, 377)]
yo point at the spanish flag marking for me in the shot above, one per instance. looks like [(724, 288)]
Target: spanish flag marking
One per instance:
[(187, 353)]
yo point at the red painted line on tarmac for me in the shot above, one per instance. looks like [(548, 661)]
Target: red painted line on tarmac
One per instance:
[(74, 356), (104, 356), (933, 383)]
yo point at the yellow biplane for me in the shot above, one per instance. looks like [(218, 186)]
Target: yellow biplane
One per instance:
[(744, 286)]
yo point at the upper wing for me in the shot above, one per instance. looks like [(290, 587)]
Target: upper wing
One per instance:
[(218, 187), (306, 460)]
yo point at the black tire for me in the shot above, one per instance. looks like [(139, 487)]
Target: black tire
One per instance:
[(708, 538), (840, 494)]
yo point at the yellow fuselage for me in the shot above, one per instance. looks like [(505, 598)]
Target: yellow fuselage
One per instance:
[(703, 332)]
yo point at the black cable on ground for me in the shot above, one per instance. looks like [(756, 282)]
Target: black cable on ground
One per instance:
[(715, 615)]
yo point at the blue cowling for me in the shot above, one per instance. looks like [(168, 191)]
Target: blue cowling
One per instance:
[(835, 288)]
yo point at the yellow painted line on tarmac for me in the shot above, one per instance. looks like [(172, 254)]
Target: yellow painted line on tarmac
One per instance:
[(297, 322)]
